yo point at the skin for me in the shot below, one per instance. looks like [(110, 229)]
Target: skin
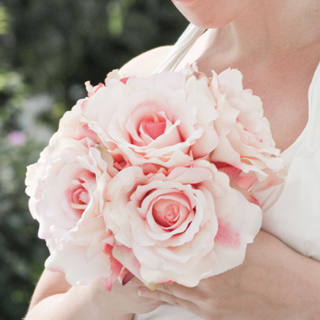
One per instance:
[(212, 14), (274, 282), (54, 299), (278, 57)]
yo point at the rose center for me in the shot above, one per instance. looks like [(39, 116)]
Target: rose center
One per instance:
[(81, 197), (154, 126), (78, 195), (169, 214)]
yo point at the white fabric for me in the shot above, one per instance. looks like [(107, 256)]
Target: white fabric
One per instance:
[(181, 47), (291, 210)]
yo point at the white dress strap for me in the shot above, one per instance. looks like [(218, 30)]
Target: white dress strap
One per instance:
[(180, 49), (314, 110)]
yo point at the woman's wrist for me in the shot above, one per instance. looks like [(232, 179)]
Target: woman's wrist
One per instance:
[(95, 305)]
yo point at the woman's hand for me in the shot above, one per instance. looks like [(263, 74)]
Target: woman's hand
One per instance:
[(121, 300), (54, 299), (274, 282)]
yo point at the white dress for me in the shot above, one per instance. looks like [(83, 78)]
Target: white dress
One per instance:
[(291, 211)]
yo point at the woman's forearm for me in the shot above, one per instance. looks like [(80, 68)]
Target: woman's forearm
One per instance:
[(274, 282)]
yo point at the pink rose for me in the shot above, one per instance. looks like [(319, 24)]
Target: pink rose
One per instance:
[(71, 125), (66, 189), (245, 137), (183, 225), (165, 119)]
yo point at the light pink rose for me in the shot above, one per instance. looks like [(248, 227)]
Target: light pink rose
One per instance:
[(183, 225), (245, 137), (165, 119), (71, 126), (66, 188)]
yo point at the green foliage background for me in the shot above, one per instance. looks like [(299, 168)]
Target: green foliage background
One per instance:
[(48, 49)]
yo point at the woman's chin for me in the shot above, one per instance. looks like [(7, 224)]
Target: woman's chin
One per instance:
[(211, 13)]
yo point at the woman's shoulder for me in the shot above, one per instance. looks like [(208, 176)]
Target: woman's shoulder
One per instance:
[(144, 64)]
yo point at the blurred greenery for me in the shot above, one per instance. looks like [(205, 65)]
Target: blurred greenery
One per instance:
[(48, 49)]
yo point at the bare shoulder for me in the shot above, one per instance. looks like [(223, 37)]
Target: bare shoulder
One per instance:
[(144, 64), (50, 283)]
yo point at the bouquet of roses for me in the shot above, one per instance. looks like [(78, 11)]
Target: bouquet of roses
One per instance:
[(151, 177)]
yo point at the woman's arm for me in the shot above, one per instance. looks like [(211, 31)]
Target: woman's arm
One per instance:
[(274, 282)]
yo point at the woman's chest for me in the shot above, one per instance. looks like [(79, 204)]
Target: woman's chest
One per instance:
[(283, 88), (284, 94), (286, 107)]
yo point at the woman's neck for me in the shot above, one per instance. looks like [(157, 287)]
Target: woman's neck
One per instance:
[(271, 29)]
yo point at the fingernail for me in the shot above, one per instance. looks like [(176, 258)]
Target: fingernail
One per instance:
[(142, 292)]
